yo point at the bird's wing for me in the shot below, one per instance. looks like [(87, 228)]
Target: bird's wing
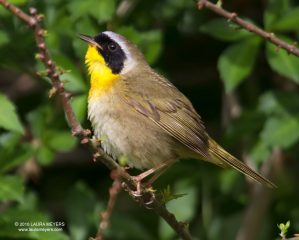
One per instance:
[(161, 102), (166, 106)]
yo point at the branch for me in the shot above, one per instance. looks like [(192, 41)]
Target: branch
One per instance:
[(34, 22), (113, 193), (233, 17)]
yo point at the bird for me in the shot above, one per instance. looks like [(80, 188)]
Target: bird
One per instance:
[(139, 114)]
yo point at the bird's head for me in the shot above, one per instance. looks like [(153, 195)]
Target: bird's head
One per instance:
[(111, 50)]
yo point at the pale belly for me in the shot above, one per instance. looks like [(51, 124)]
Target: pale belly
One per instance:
[(127, 134)]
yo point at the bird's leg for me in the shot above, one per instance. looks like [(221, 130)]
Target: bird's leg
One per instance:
[(145, 174), (151, 181), (138, 180), (137, 193), (157, 175)]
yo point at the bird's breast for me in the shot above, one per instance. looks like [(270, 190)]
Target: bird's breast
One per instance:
[(125, 132)]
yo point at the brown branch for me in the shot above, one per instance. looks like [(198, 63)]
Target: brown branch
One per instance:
[(113, 193), (34, 21), (233, 17)]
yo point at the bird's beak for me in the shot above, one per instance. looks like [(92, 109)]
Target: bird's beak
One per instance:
[(89, 40)]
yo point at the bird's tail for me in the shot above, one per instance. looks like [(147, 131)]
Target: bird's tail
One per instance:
[(222, 156)]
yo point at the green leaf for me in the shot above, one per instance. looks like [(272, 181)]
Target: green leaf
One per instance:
[(284, 229), (18, 2), (30, 201), (17, 156), (236, 62), (274, 11), (41, 118), (149, 42), (279, 103), (244, 125), (270, 104), (13, 216), (228, 178), (169, 9), (223, 30), (130, 33), (85, 26), (260, 152), (280, 61), (44, 155), (80, 208), (8, 148), (59, 32), (61, 141), (183, 208), (3, 38), (281, 132), (11, 188), (79, 104), (290, 21), (8, 116), (79, 8), (101, 10), (167, 195)]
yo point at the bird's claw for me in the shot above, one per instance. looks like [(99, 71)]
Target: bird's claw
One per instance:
[(139, 196)]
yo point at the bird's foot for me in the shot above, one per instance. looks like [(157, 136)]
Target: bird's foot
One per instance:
[(145, 196)]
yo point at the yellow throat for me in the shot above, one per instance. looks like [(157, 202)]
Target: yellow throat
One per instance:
[(101, 76)]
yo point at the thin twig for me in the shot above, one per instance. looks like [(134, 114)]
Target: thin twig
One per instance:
[(233, 17), (113, 193), (34, 21)]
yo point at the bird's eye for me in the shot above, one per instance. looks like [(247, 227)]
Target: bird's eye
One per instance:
[(112, 47)]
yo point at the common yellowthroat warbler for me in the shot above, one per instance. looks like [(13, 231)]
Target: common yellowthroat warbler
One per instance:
[(143, 116)]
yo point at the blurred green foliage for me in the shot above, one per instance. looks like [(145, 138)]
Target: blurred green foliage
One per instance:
[(284, 229), (46, 175)]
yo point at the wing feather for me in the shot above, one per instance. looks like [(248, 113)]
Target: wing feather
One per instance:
[(166, 106)]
